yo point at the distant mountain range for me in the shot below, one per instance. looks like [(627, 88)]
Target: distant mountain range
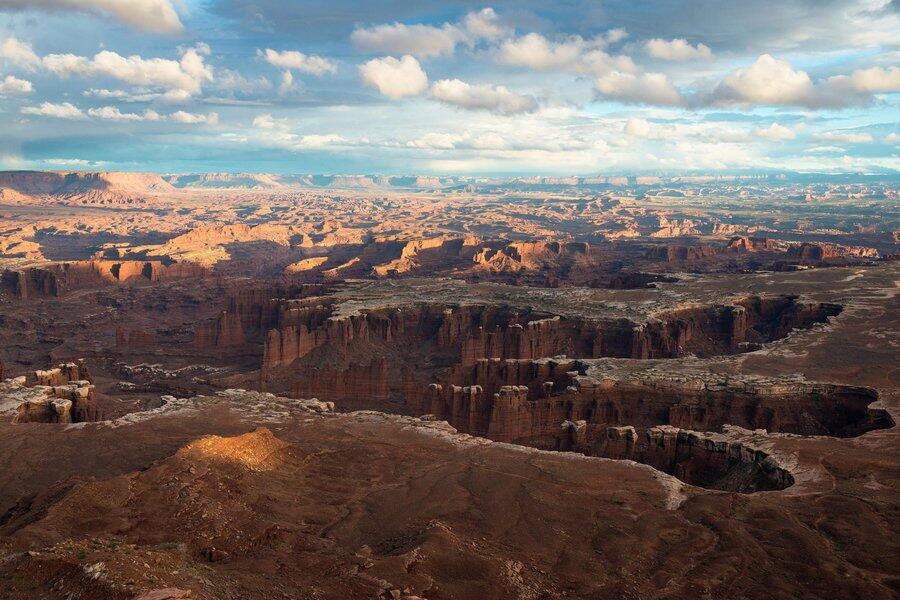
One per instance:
[(126, 187)]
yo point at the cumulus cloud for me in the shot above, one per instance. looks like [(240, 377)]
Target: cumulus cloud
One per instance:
[(767, 81), (677, 49), (496, 99), (891, 138), (65, 110), (571, 54), (185, 76), (770, 81), (19, 53), (642, 88), (425, 41), (846, 137), (13, 86), (298, 61), (394, 78), (775, 133), (150, 15), (874, 80), (537, 52)]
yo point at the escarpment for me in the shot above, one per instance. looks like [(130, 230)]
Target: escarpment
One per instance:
[(517, 374), (525, 401), (702, 459), (303, 340), (54, 279), (251, 312)]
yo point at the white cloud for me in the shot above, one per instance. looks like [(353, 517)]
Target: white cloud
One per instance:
[(320, 141), (642, 128), (496, 99), (186, 117), (846, 137), (572, 54), (466, 141), (418, 40), (891, 138), (151, 15), (484, 24), (185, 76), (287, 82), (72, 162), (426, 41), (775, 133), (394, 78), (69, 111), (298, 61), (642, 88), (59, 111), (19, 53), (874, 80), (436, 141), (677, 49), (772, 81), (265, 121), (10, 86), (139, 95), (766, 81), (537, 52), (825, 150), (111, 113)]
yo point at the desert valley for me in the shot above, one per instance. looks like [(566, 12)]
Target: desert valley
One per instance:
[(236, 386)]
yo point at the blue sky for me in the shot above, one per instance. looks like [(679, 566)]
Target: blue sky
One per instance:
[(450, 87)]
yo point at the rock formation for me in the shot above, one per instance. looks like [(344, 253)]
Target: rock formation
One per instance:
[(704, 459), (524, 401)]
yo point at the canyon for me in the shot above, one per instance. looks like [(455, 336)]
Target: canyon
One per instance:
[(223, 385)]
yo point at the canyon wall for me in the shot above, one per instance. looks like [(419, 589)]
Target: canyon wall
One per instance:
[(525, 401), (54, 279), (703, 459)]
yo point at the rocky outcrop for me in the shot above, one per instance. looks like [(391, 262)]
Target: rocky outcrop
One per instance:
[(226, 331), (307, 264), (755, 244), (54, 279), (549, 392), (310, 346), (252, 311), (71, 402), (29, 283), (418, 254), (823, 251), (63, 374), (680, 253), (675, 228), (703, 459)]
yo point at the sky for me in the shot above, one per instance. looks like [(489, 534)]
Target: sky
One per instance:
[(450, 87)]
